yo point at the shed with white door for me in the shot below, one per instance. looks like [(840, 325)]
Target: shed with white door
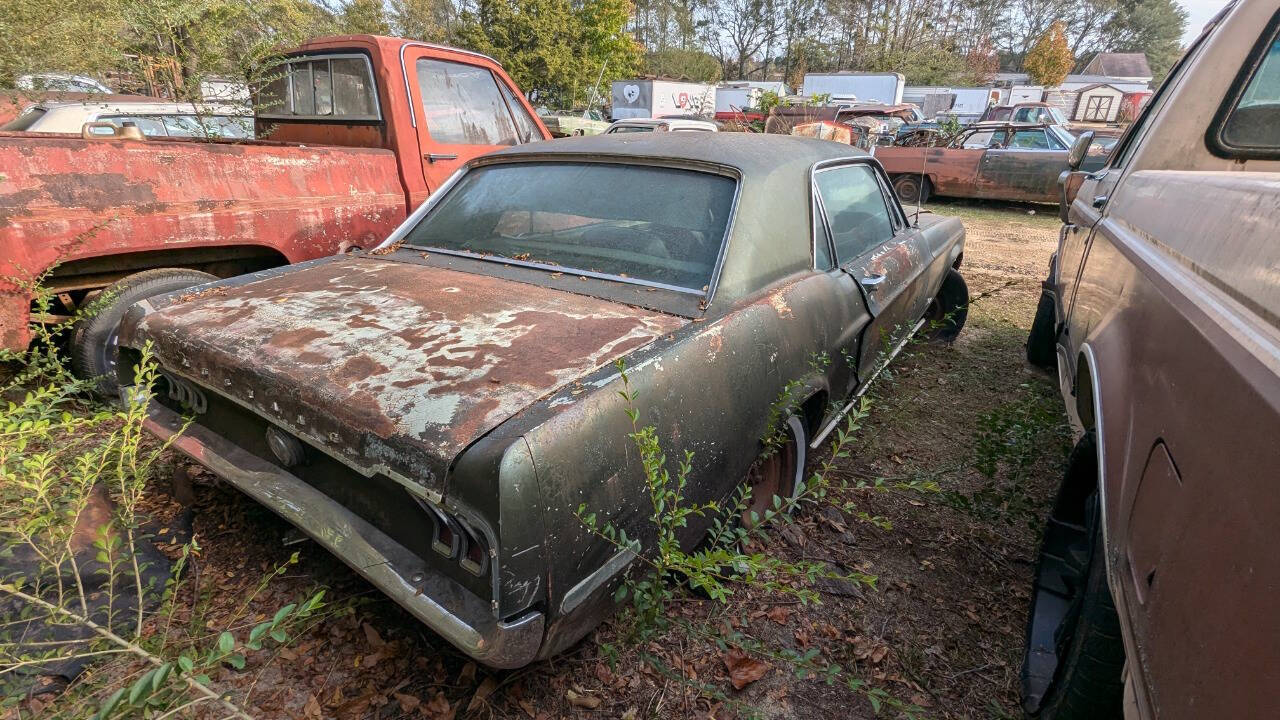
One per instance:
[(1098, 103)]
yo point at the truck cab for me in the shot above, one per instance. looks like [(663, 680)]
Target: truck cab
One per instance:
[(1157, 580)]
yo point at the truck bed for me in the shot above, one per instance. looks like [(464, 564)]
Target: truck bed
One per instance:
[(66, 200)]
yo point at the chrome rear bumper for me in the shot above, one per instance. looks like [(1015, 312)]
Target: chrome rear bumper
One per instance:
[(457, 614)]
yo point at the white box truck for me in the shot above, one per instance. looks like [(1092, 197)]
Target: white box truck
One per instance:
[(661, 98), (859, 86)]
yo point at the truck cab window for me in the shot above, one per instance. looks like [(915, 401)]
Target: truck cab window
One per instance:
[(463, 105), (339, 86)]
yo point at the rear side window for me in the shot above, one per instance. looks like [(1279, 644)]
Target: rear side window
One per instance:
[(330, 87), (1029, 140), (1252, 126), (151, 126), (855, 209), (25, 120), (463, 104)]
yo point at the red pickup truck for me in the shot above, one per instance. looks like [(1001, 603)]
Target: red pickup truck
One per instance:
[(359, 131)]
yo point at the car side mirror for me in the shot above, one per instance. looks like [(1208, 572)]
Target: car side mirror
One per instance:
[(1081, 148), (1069, 182)]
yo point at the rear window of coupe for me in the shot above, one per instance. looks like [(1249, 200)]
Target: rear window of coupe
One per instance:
[(649, 224)]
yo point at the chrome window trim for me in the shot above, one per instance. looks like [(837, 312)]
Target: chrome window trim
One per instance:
[(368, 65)]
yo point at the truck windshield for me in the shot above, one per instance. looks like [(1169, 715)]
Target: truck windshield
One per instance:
[(648, 224)]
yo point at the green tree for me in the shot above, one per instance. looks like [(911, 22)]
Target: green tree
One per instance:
[(429, 20), (1153, 27), (1049, 60), (364, 16), (554, 49), (695, 65)]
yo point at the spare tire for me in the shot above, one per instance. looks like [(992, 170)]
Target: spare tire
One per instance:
[(94, 339)]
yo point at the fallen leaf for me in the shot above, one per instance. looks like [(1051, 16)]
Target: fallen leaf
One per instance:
[(878, 653), (779, 614), (485, 690), (589, 702), (408, 703), (312, 708), (372, 636), (528, 708), (920, 699), (743, 669), (468, 674), (439, 708), (630, 714)]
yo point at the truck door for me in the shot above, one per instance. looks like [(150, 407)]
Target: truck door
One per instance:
[(1025, 168), (876, 247), (463, 109)]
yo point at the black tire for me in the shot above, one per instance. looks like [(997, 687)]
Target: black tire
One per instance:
[(912, 189), (1042, 341), (949, 309), (1073, 664), (93, 339)]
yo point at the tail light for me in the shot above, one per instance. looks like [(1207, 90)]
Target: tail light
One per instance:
[(453, 538)]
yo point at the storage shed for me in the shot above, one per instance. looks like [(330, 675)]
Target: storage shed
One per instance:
[(1098, 103)]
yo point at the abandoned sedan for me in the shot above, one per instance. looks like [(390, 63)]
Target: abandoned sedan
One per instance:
[(435, 411)]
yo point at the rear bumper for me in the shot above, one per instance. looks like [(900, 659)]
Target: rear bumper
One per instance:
[(445, 606)]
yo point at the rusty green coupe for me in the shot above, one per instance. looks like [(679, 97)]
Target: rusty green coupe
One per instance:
[(434, 411)]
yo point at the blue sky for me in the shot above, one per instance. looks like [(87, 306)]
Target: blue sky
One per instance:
[(1199, 13)]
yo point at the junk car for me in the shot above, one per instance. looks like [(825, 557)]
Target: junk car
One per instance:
[(435, 411)]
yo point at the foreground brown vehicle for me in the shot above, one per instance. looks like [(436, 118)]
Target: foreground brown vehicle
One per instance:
[(362, 129), (1158, 581), (997, 161)]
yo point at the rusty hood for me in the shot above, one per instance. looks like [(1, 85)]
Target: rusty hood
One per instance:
[(396, 367)]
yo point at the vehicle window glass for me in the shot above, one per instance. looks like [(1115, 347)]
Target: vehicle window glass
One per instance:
[(977, 140), (185, 126), (855, 208), (353, 89), (150, 126), (25, 120), (822, 259), (339, 87), (462, 104), (629, 129), (1029, 140), (1024, 115), (1255, 120), (656, 224), (529, 131)]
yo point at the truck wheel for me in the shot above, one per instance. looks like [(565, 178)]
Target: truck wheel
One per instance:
[(94, 339), (949, 309), (912, 189), (1074, 662), (1042, 348)]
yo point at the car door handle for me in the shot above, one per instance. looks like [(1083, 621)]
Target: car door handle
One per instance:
[(871, 282), (1099, 200), (436, 157)]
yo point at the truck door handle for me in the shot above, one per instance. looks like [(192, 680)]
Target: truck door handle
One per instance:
[(871, 282), (1099, 200), (436, 157)]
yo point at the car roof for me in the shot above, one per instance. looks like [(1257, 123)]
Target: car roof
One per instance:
[(748, 153)]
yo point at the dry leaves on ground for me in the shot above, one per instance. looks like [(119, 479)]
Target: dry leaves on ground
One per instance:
[(744, 669)]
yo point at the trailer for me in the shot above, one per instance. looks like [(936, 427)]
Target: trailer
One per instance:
[(860, 86), (661, 98)]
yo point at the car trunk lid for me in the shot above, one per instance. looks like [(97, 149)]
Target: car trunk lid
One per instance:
[(392, 367)]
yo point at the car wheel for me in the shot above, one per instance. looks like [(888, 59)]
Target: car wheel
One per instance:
[(779, 473), (949, 308), (1074, 662), (912, 189), (1041, 341), (94, 338)]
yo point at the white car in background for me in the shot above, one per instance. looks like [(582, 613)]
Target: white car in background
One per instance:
[(660, 125), (61, 82), (154, 119)]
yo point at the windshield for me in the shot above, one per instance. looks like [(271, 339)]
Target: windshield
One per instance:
[(651, 224)]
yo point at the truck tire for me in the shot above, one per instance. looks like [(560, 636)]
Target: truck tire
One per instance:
[(94, 339), (912, 189), (1042, 344), (1073, 664), (949, 309)]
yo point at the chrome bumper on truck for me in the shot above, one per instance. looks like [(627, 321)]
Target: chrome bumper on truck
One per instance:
[(451, 610)]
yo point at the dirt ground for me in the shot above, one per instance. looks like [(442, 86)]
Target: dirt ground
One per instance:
[(940, 630)]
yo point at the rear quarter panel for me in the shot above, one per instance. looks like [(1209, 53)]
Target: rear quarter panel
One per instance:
[(1177, 309), (64, 198)]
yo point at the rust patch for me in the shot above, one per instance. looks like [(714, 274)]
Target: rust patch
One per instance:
[(359, 368), (296, 338)]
